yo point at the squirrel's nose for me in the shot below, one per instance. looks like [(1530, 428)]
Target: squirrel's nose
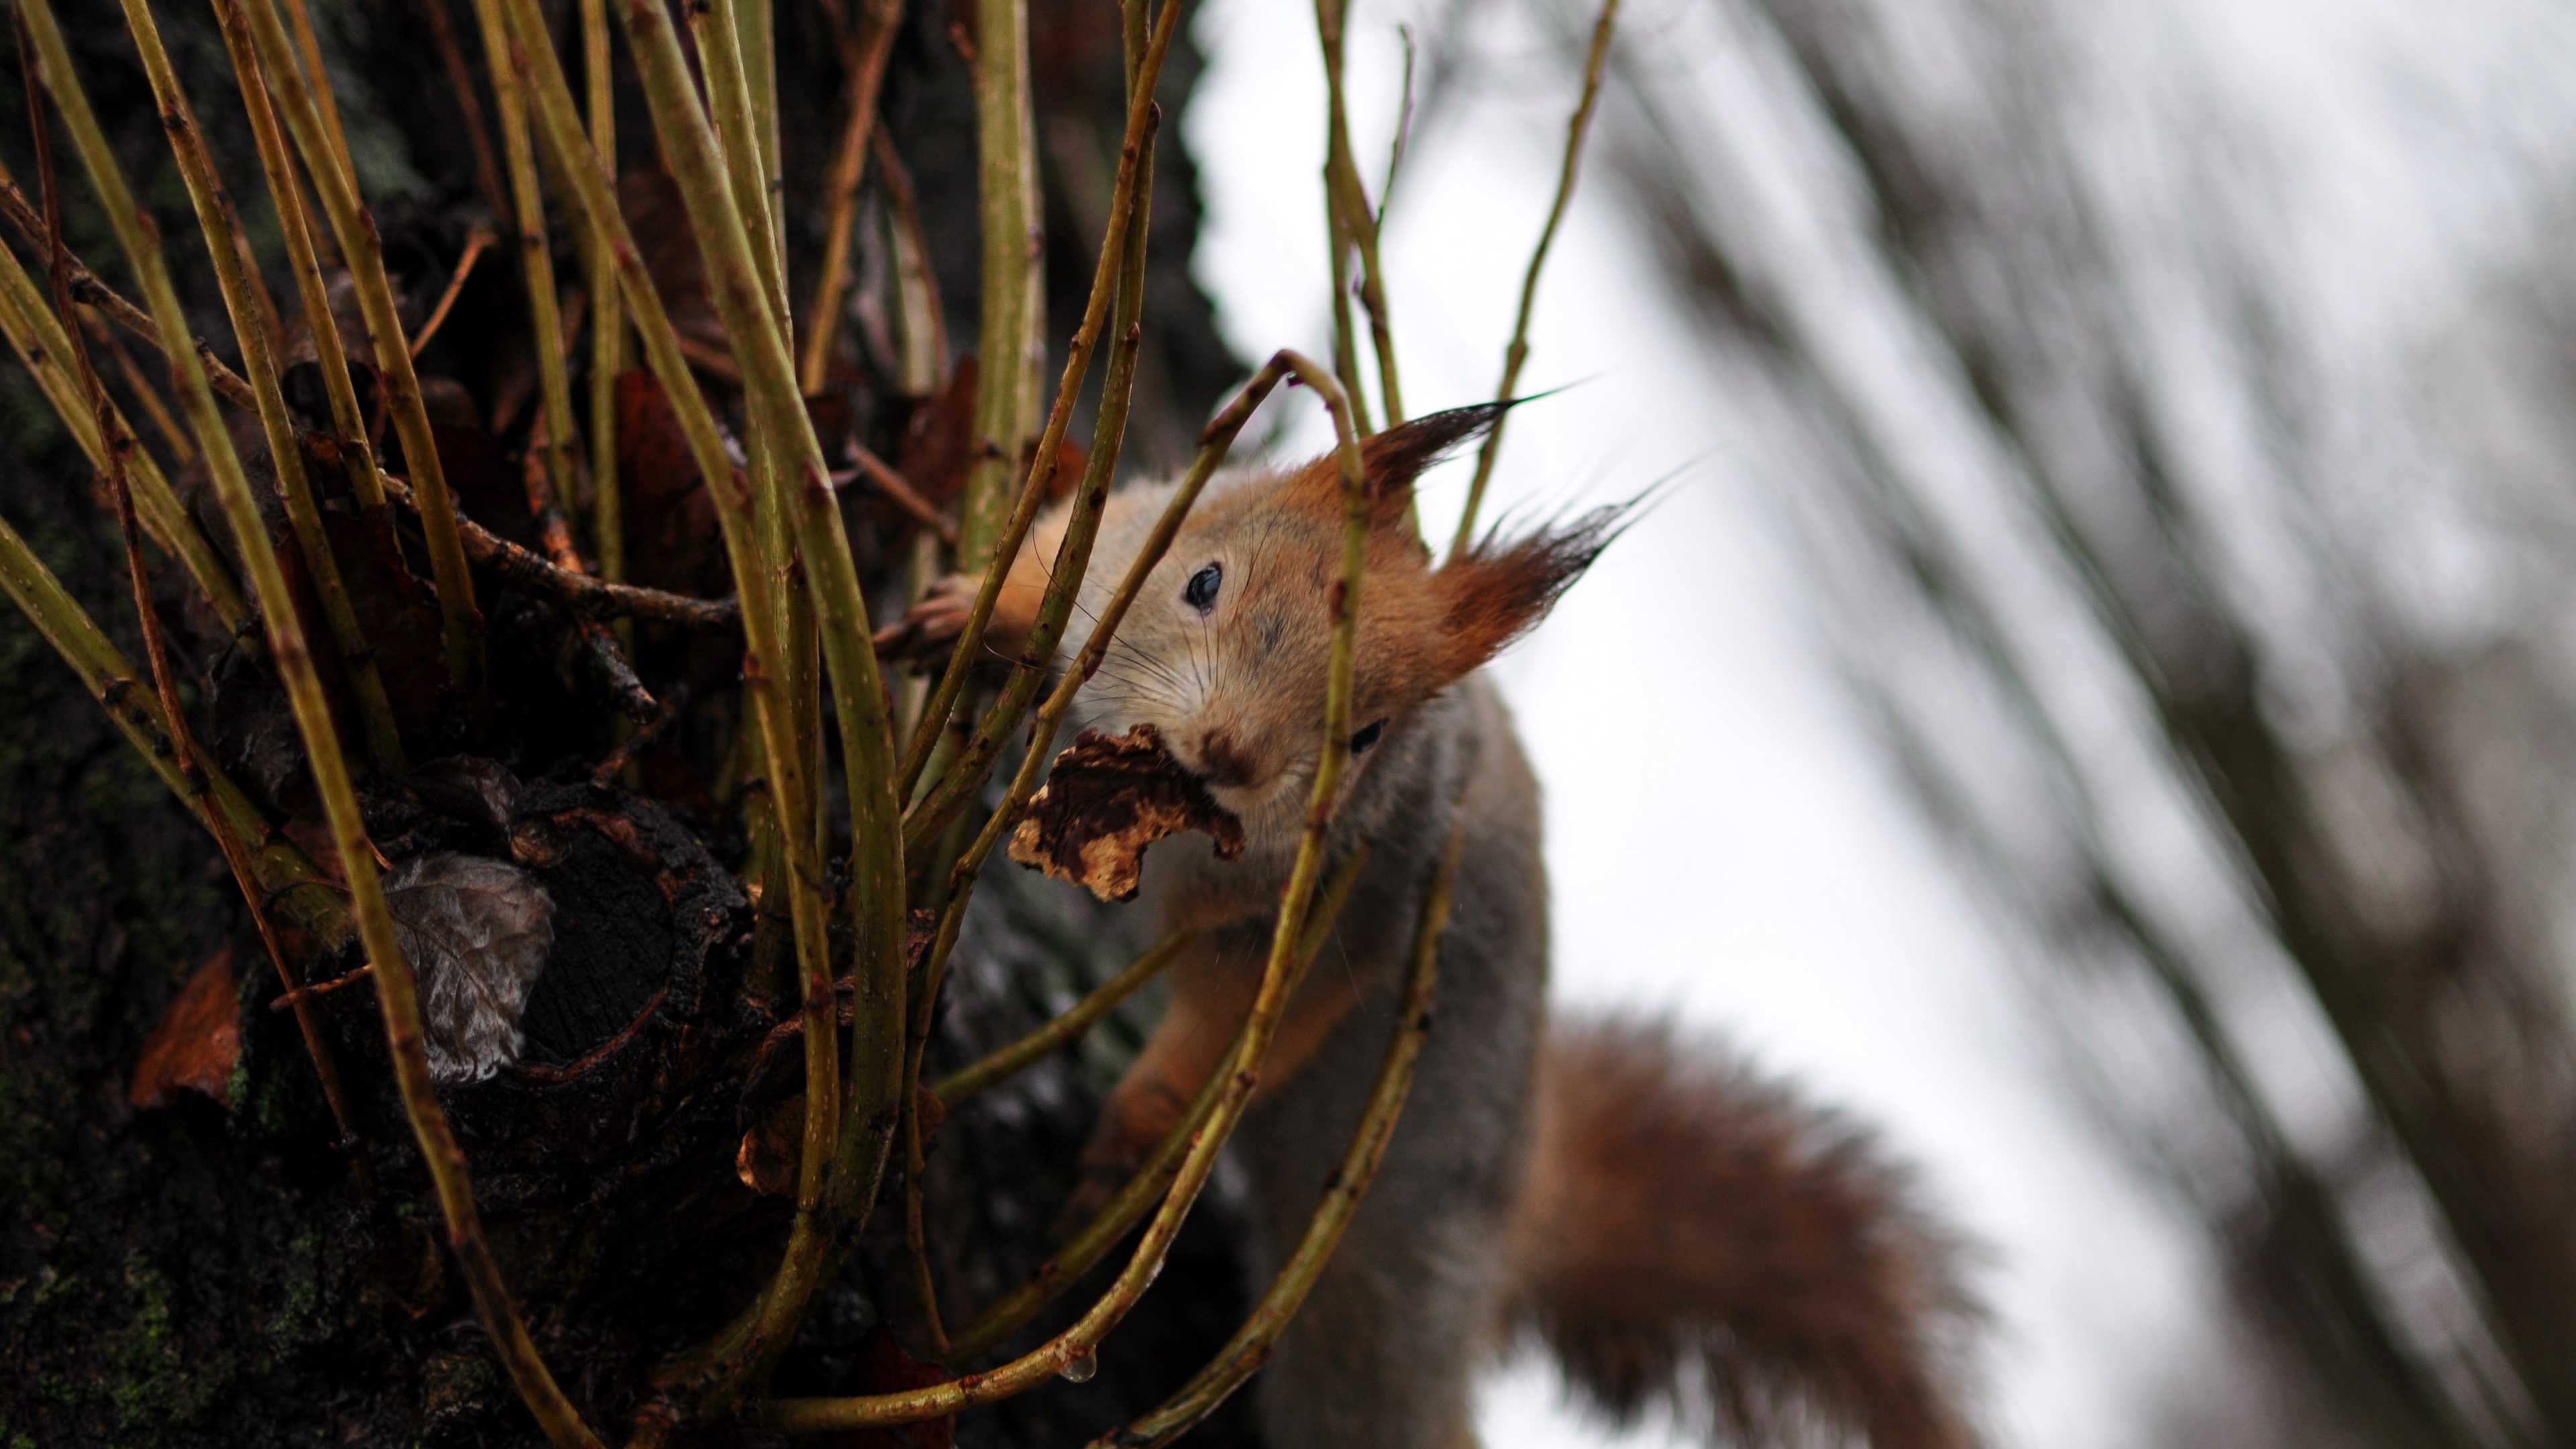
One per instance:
[(1223, 762)]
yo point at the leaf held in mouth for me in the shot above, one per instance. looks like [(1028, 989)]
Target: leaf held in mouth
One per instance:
[(1108, 798)]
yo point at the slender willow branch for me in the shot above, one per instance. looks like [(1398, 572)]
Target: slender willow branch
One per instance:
[(1061, 1031), (477, 241), (1142, 117), (1126, 242), (1009, 1313), (896, 491), (607, 315), (607, 653), (308, 46), (863, 62), (1337, 230), (42, 344), (756, 30), (362, 251), (536, 257), (1352, 224), (1251, 1345), (286, 452), (916, 291), (868, 1115), (735, 127), (1239, 1075), (737, 134), (174, 435), (348, 419), (394, 985), (190, 761), (1122, 261), (1576, 128), (1014, 299), (723, 188), (90, 291)]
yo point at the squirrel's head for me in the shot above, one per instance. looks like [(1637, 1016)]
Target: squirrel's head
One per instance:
[(1228, 649)]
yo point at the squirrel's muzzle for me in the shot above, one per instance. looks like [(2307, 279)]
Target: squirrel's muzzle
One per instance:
[(1223, 763)]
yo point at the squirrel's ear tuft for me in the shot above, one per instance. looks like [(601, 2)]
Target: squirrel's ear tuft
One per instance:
[(1391, 460), (1499, 590)]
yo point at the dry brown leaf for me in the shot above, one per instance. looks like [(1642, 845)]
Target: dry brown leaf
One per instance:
[(1105, 800), (939, 439), (673, 538), (197, 1040)]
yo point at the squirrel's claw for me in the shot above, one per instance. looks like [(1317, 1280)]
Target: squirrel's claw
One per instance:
[(929, 629)]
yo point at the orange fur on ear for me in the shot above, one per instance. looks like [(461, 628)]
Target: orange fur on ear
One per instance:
[(1499, 590), (1391, 460)]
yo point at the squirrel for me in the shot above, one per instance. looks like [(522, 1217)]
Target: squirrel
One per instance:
[(1675, 1230)]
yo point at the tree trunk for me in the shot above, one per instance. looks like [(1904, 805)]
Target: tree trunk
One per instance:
[(209, 1270)]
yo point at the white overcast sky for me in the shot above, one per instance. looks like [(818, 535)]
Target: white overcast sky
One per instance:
[(1778, 890)]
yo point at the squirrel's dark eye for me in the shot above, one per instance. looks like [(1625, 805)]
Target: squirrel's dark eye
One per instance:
[(1200, 592), (1366, 739)]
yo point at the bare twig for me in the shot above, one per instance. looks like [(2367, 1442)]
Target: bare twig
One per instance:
[(1350, 224), (891, 485), (182, 452), (536, 258), (216, 222), (863, 61), (925, 326), (308, 45), (326, 160), (1576, 128), (1060, 1031), (582, 591), (607, 654), (295, 222), (607, 315), (1403, 128), (476, 241), (1014, 296), (638, 740)]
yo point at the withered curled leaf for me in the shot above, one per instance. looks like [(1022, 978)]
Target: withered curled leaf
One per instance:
[(476, 932), (1106, 799), (198, 1039)]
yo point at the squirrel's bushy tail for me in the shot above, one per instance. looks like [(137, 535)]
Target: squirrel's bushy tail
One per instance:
[(1696, 1236)]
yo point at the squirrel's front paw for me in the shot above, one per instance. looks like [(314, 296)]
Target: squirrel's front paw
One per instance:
[(929, 629), (1132, 1125), (1093, 1192)]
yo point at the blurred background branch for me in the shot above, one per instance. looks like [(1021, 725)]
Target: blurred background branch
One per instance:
[(2146, 626)]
